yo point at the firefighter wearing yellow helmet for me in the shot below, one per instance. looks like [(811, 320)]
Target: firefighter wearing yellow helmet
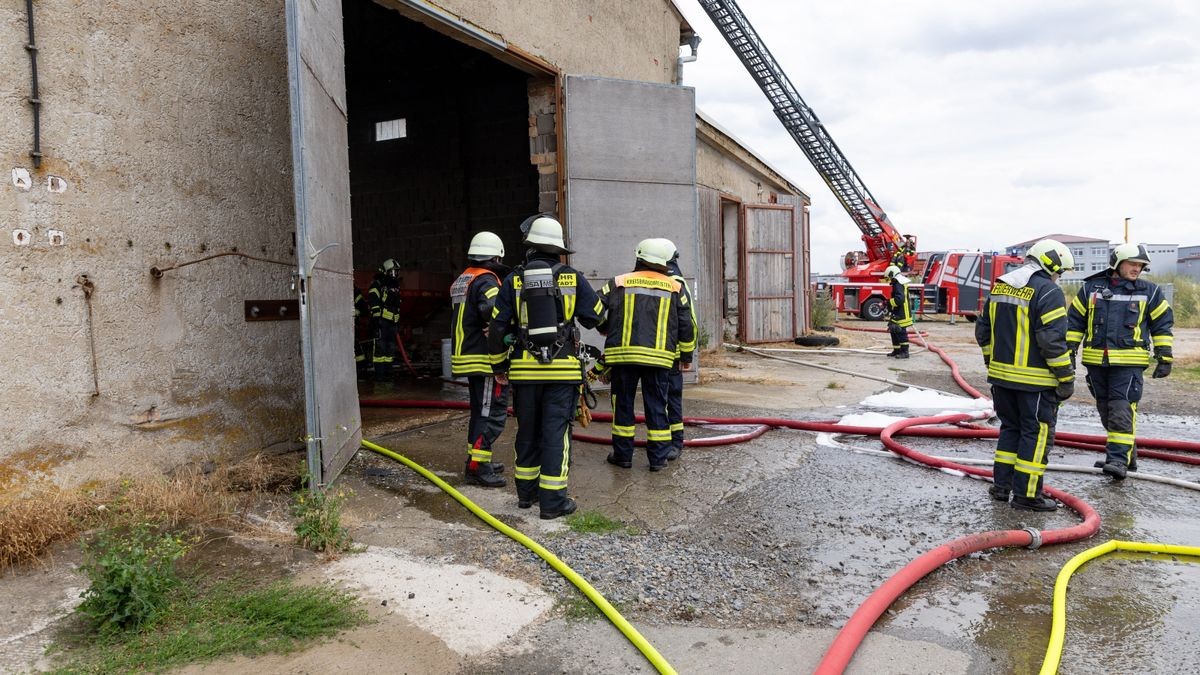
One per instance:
[(1119, 319), (648, 326), (900, 314), (1023, 333)]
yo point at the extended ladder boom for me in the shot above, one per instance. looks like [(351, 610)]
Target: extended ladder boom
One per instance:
[(801, 122)]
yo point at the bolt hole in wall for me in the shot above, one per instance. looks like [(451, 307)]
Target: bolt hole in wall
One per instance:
[(440, 148)]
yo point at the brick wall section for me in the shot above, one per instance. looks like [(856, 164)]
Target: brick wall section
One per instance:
[(543, 141)]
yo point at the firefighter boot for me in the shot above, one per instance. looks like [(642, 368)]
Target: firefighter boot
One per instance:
[(1117, 471), (480, 473), (1132, 466), (903, 354), (566, 508), (998, 493), (1039, 503), (895, 351)]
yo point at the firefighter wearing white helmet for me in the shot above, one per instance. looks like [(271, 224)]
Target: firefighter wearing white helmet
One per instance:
[(383, 302), (1023, 333), (648, 326), (675, 390), (1120, 319), (900, 314), (538, 310), (473, 297)]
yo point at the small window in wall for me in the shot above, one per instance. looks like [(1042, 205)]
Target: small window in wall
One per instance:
[(390, 130)]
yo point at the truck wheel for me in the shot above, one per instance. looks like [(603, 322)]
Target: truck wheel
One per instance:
[(873, 309)]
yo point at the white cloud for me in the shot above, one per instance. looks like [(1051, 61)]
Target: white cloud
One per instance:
[(980, 124)]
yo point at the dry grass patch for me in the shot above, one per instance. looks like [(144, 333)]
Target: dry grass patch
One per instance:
[(36, 516)]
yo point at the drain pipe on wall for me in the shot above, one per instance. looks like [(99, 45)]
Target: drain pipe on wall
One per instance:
[(34, 99), (692, 41)]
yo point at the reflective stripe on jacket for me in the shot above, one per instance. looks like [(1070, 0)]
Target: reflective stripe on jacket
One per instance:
[(384, 301), (686, 292), (473, 295), (901, 312), (1120, 322), (1023, 332), (647, 319), (579, 305)]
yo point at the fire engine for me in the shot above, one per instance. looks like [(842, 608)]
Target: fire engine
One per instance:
[(951, 282)]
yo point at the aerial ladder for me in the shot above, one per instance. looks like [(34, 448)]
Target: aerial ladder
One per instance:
[(878, 234)]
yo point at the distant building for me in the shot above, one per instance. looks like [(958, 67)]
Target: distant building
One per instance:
[(1091, 254), (1164, 258), (1188, 264)]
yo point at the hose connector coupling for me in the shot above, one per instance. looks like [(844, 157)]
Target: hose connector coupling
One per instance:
[(1035, 538)]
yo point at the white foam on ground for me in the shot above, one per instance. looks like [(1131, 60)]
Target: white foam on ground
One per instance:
[(922, 399), (870, 419), (449, 601)]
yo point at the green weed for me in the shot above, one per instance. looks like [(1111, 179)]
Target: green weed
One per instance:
[(834, 384), (132, 573), (593, 522), (821, 312), (319, 520), (230, 618)]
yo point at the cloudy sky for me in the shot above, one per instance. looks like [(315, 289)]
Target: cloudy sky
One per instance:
[(980, 124)]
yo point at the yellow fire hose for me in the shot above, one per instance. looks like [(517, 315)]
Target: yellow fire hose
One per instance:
[(571, 575), (1059, 625)]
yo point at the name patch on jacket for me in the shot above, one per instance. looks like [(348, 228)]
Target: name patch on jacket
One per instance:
[(1025, 293), (644, 282)]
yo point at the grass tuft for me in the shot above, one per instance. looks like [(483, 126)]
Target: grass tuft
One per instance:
[(229, 618), (593, 522)]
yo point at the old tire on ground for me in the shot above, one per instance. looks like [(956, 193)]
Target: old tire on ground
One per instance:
[(817, 341), (873, 309)]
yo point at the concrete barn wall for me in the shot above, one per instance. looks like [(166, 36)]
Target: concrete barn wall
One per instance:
[(169, 124), (629, 39)]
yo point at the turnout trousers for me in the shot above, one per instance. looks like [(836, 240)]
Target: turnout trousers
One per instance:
[(675, 406), (1117, 390), (898, 333), (655, 385), (1027, 420), (489, 410), (544, 413), (385, 350)]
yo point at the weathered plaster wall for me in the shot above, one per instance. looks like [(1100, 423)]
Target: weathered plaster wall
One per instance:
[(626, 39), (722, 170), (169, 123)]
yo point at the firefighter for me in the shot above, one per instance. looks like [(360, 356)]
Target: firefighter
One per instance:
[(538, 311), (1023, 333), (384, 300), (900, 318), (473, 295), (364, 343), (675, 389), (905, 253), (1119, 318), (648, 324)]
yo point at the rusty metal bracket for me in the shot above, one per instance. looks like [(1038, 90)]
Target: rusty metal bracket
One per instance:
[(272, 310)]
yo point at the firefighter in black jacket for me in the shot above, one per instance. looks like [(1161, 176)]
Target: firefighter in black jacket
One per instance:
[(675, 391), (648, 323), (536, 312), (384, 300), (473, 295), (1119, 318), (1023, 332), (900, 317)]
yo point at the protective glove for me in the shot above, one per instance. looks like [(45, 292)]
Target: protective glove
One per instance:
[(1064, 390), (1163, 369)]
